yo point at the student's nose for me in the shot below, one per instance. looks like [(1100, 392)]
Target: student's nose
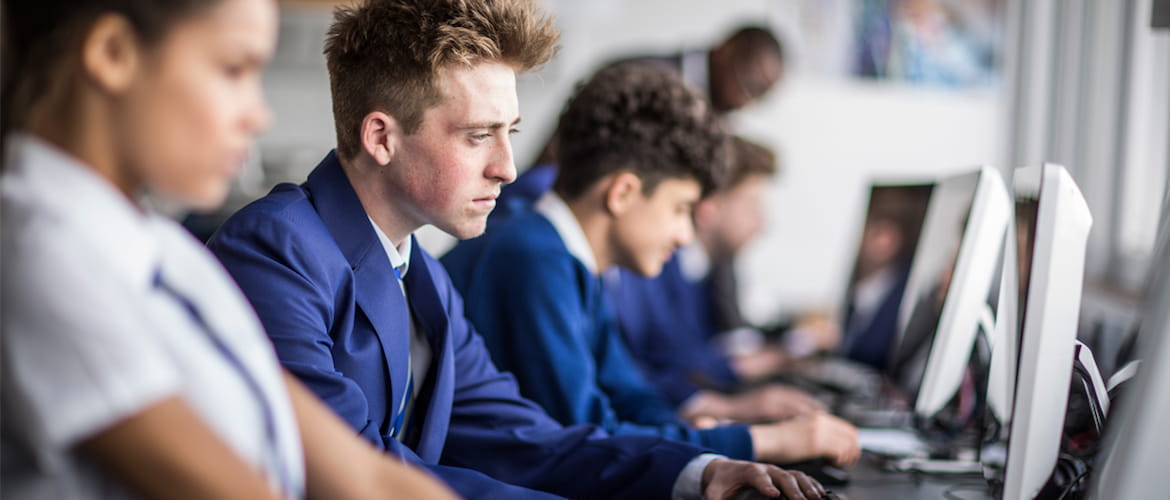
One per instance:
[(258, 115), (503, 165)]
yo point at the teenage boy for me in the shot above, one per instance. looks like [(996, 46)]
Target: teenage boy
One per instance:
[(639, 148), (424, 97)]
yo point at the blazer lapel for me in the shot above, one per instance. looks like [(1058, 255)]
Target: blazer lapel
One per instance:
[(376, 287), (432, 318)]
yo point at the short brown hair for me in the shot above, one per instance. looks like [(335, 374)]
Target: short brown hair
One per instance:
[(386, 54), (643, 119), (747, 159)]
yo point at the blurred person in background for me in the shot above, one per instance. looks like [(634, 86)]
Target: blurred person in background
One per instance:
[(734, 73)]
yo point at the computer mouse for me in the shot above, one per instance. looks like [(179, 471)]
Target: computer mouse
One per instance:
[(821, 470), (754, 494)]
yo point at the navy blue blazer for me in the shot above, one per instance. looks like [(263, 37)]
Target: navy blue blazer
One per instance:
[(667, 322), (310, 262), (526, 190), (545, 318)]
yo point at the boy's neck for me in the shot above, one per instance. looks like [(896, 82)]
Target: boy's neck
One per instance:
[(376, 202)]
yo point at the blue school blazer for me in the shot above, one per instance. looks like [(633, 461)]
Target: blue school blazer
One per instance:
[(312, 266)]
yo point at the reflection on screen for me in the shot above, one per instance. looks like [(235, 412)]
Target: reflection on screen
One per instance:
[(1027, 209), (909, 361)]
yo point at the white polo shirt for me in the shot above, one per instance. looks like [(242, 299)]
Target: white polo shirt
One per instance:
[(89, 339)]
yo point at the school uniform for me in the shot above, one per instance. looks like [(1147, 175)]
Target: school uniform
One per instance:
[(668, 325), (326, 286), (533, 290), (109, 309)]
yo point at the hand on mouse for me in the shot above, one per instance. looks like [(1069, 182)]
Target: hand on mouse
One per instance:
[(722, 478), (812, 436)]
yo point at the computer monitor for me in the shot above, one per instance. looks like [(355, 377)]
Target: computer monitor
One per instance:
[(885, 250), (1132, 462), (952, 292), (1051, 279)]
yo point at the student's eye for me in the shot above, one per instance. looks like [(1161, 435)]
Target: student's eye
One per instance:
[(235, 71), (479, 138), (513, 131)]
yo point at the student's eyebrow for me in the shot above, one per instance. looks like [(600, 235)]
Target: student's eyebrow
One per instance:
[(488, 125)]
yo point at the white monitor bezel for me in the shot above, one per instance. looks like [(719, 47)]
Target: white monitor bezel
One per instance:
[(1049, 330)]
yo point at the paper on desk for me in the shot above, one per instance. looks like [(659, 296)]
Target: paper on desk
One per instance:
[(896, 442)]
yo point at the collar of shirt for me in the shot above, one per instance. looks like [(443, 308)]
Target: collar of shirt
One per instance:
[(693, 261), (398, 256), (89, 206), (553, 208)]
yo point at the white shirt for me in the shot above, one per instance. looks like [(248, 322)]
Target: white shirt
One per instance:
[(420, 350), (689, 484), (558, 213), (89, 340), (693, 261)]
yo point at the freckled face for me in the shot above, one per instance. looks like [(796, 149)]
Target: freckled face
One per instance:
[(449, 172)]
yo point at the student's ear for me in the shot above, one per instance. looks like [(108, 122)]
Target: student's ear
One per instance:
[(623, 189), (380, 136), (110, 53)]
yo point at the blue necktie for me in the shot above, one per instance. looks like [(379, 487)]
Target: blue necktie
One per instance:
[(241, 370), (400, 416)]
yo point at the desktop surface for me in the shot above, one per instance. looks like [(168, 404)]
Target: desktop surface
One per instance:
[(870, 481)]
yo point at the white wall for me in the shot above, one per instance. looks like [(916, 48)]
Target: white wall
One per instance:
[(836, 137), (835, 134)]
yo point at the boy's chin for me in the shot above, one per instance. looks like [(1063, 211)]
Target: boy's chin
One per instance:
[(648, 269), (467, 230)]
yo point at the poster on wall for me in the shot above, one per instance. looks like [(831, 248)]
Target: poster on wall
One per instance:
[(938, 43), (952, 43)]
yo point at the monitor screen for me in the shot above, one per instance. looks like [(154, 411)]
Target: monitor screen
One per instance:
[(1052, 260), (889, 236)]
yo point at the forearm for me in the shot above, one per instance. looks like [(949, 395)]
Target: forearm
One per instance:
[(167, 452)]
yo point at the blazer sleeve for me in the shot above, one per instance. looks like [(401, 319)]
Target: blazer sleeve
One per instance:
[(496, 431), (532, 309), (666, 332), (275, 264)]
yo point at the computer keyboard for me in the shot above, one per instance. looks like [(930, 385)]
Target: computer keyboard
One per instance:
[(852, 379)]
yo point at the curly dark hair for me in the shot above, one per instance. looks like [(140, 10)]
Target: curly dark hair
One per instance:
[(642, 119), (385, 55)]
